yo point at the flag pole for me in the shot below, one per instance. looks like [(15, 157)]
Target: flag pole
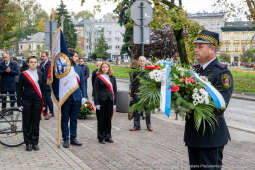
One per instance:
[(59, 126)]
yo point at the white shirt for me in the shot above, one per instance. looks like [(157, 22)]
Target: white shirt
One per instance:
[(206, 64), (33, 75), (7, 63)]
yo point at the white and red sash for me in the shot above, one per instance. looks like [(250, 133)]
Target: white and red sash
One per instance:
[(78, 78), (108, 84), (36, 87)]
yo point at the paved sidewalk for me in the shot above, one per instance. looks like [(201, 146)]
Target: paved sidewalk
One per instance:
[(143, 150)]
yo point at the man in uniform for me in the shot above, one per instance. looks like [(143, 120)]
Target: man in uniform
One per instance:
[(206, 150)]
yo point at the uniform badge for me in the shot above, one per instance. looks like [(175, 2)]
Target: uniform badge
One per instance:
[(226, 81)]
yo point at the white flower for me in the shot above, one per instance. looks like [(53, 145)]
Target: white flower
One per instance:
[(195, 90), (156, 75), (195, 103), (206, 100)]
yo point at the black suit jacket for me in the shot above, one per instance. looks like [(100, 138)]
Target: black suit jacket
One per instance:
[(26, 91), (8, 79), (45, 70), (102, 93), (216, 73)]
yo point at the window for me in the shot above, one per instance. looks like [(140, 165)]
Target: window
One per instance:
[(227, 36), (244, 48), (236, 47), (117, 38), (108, 39), (110, 47), (227, 48), (38, 47), (244, 36), (109, 32), (117, 46), (236, 36), (21, 47)]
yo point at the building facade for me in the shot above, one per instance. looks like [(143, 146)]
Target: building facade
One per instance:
[(210, 21), (237, 37), (92, 31), (32, 45)]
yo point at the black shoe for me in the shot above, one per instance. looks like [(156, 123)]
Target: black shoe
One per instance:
[(28, 147), (101, 141), (47, 118), (66, 144), (36, 147), (109, 140), (75, 142)]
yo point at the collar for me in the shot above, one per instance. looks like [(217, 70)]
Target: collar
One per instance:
[(206, 64), (7, 63)]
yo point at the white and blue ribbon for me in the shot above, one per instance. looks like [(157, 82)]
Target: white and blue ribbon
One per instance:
[(165, 98), (213, 92)]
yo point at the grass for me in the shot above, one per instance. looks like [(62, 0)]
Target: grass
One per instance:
[(244, 81)]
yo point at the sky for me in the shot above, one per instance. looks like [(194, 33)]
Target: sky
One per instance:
[(192, 6)]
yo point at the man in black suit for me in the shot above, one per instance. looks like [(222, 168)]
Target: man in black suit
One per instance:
[(206, 150), (85, 70), (8, 71), (44, 66)]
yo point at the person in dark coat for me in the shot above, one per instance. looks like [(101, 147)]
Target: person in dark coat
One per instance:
[(105, 101), (134, 89), (30, 100), (8, 71), (71, 108), (206, 150), (85, 70), (44, 66), (94, 76)]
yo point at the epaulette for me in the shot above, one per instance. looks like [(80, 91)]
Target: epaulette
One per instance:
[(220, 65)]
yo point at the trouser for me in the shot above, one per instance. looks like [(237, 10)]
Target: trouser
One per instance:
[(70, 110), (104, 120), (48, 102), (205, 158), (31, 121), (12, 98), (137, 117)]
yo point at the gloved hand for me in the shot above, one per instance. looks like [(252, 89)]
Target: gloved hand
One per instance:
[(98, 107), (114, 107), (83, 101), (20, 108)]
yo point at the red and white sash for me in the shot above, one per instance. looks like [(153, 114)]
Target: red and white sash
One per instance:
[(108, 83), (36, 87), (78, 78)]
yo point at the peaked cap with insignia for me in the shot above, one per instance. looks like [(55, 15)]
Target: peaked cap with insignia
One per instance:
[(208, 37)]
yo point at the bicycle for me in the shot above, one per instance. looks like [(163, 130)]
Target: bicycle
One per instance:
[(11, 133)]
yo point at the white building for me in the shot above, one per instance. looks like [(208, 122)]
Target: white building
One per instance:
[(113, 34), (210, 21)]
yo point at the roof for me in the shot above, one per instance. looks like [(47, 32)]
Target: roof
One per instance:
[(207, 15), (37, 37), (238, 26)]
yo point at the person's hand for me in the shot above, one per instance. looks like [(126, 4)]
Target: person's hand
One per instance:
[(8, 69), (83, 101), (131, 99), (98, 107), (20, 108), (114, 108)]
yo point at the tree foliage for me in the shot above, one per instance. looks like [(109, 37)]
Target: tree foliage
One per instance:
[(68, 28), (224, 57), (101, 47), (248, 56), (83, 15)]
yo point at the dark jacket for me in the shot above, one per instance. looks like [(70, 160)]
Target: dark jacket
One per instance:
[(135, 82), (221, 78), (26, 91), (8, 79), (85, 70), (81, 92), (102, 91), (94, 76), (45, 70)]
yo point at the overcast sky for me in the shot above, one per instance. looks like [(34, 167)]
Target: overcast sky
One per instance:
[(191, 6)]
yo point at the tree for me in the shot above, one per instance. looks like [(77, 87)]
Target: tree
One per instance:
[(248, 56), (101, 47), (224, 57), (84, 15), (8, 21), (69, 30)]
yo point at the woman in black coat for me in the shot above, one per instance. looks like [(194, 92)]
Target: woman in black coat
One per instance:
[(30, 91), (105, 101)]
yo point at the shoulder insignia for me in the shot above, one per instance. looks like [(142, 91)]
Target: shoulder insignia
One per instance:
[(226, 81)]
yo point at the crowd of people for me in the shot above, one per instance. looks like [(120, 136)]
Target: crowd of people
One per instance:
[(205, 150)]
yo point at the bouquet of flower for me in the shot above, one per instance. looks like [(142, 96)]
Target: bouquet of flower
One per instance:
[(188, 94), (86, 109)]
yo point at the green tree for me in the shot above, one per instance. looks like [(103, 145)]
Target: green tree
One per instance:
[(224, 57), (8, 21), (69, 30), (248, 56), (83, 14), (101, 47)]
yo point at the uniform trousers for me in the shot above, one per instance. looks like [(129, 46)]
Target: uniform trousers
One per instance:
[(31, 115), (12, 98), (70, 111), (49, 102), (104, 120), (205, 158)]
